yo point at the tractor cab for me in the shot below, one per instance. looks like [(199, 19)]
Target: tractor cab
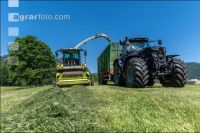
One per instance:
[(139, 43), (136, 44), (133, 44)]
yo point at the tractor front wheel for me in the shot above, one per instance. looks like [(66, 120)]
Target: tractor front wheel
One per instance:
[(136, 73)]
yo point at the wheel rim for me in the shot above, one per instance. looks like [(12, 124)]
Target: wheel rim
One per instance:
[(129, 74)]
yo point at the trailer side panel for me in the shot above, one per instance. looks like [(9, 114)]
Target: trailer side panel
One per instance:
[(106, 59)]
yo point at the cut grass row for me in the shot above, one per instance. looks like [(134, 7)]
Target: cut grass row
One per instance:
[(101, 108)]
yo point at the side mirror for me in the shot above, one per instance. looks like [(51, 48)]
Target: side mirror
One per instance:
[(56, 54), (159, 42)]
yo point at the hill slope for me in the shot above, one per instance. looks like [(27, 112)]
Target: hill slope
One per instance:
[(101, 108), (194, 70)]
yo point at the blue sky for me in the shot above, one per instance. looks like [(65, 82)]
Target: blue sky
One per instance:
[(176, 23)]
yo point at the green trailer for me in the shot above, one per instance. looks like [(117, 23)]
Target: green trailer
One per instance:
[(105, 62)]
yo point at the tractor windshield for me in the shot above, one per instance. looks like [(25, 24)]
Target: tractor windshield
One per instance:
[(139, 45)]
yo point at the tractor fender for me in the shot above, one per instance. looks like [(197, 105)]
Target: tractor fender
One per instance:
[(169, 57)]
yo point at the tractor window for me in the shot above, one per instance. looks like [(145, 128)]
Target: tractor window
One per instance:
[(124, 49), (137, 45), (133, 46), (75, 56), (67, 56), (146, 45)]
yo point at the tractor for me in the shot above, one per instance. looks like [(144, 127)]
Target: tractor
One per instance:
[(140, 64), (70, 70)]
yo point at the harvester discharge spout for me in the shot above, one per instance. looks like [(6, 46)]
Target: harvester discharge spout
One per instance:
[(92, 38)]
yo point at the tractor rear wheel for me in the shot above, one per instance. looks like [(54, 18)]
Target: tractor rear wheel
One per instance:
[(178, 76), (136, 73), (117, 76)]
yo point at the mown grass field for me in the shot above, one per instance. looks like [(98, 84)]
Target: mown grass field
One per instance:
[(100, 108)]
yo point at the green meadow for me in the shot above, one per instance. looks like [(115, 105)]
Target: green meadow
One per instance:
[(100, 108)]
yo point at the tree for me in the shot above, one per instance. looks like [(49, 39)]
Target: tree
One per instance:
[(4, 71), (32, 64)]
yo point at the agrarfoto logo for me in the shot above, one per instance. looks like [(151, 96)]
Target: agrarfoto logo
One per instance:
[(15, 17)]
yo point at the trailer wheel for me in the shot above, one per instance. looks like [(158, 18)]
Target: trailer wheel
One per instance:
[(104, 82), (92, 83), (136, 73), (101, 80), (178, 76), (117, 77)]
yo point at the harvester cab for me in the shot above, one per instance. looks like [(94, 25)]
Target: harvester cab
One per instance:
[(70, 57), (71, 68)]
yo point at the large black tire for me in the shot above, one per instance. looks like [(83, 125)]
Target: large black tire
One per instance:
[(117, 76), (136, 73), (178, 76), (101, 80)]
